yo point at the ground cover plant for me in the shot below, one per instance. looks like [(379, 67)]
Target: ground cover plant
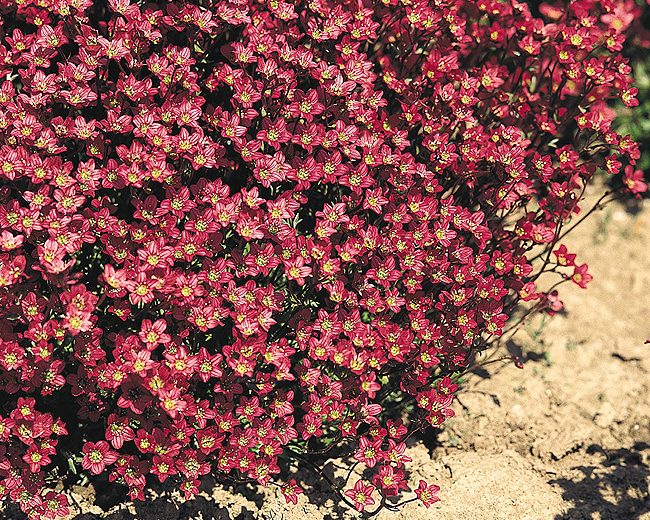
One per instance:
[(237, 236)]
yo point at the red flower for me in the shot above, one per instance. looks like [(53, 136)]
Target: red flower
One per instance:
[(369, 452), (390, 480), (427, 494), (190, 488), (297, 270), (564, 258), (118, 431), (633, 180), (228, 232), (55, 505), (361, 495), (580, 276), (97, 456), (153, 334), (290, 491), (36, 458)]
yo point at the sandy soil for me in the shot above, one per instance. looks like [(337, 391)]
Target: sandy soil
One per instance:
[(566, 438)]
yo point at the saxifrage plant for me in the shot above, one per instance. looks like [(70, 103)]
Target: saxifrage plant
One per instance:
[(232, 231)]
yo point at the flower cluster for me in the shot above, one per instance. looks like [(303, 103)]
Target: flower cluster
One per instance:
[(236, 234)]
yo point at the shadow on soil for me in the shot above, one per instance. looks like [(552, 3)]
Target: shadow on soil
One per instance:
[(163, 507), (617, 489)]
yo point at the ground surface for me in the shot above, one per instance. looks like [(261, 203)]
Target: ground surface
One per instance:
[(566, 438)]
